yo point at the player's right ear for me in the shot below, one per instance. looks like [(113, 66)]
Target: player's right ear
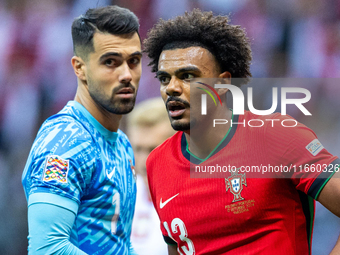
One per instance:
[(79, 67)]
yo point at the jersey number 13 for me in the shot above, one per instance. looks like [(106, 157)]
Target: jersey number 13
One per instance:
[(178, 228)]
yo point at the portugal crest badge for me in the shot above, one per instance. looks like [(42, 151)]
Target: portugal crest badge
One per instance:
[(235, 183)]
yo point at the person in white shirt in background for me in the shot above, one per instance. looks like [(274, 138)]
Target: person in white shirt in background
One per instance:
[(148, 127)]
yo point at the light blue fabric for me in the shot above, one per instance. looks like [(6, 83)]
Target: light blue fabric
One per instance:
[(53, 199), (76, 158), (50, 228)]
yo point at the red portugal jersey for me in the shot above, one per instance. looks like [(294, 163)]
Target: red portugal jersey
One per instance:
[(242, 213)]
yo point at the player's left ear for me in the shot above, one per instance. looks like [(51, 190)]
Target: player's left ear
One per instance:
[(224, 78)]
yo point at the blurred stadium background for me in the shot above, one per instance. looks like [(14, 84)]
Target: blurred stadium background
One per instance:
[(291, 38)]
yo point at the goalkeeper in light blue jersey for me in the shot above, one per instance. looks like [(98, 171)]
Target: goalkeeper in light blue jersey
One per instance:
[(79, 178)]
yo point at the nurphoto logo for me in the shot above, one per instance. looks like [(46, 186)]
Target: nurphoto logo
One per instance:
[(204, 97), (238, 106), (238, 99)]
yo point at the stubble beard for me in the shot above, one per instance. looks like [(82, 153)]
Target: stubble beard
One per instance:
[(115, 105), (183, 125), (111, 103), (180, 126)]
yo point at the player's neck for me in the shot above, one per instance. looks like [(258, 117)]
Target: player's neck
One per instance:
[(204, 138), (108, 120)]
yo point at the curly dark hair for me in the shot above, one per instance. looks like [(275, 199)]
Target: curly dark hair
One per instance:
[(228, 43)]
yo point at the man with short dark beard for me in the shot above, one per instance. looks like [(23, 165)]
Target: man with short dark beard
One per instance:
[(235, 214), (79, 178)]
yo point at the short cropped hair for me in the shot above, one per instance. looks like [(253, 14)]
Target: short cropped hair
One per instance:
[(228, 43), (110, 19), (148, 113)]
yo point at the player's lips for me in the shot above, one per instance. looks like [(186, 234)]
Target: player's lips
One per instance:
[(175, 108), (126, 92)]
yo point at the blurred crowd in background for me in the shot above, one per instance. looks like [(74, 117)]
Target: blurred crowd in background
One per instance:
[(291, 38)]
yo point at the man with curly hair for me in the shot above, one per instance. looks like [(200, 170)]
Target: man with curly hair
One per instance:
[(211, 215)]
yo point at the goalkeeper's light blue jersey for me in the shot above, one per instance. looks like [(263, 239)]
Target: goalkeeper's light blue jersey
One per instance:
[(75, 157)]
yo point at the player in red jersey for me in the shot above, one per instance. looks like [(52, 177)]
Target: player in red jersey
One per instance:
[(235, 214)]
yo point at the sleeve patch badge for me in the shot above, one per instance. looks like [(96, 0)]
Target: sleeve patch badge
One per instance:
[(314, 147), (56, 169)]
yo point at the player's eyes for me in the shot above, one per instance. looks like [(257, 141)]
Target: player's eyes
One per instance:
[(187, 76), (134, 61), (109, 62), (164, 80)]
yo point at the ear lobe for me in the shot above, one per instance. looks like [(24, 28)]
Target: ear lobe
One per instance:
[(79, 67), (222, 91)]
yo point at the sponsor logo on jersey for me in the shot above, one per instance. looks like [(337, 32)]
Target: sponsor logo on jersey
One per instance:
[(56, 169), (314, 147), (235, 184), (161, 204)]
